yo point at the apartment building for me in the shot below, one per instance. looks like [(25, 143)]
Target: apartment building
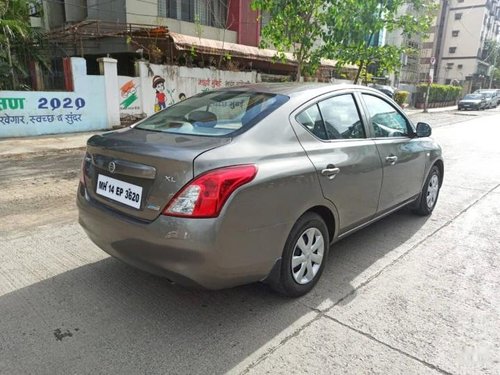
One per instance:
[(124, 27), (408, 74), (463, 30), (229, 20)]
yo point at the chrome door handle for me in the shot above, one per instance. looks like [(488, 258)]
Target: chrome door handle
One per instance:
[(391, 159), (330, 172)]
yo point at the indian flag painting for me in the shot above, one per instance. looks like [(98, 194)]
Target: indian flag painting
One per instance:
[(128, 92)]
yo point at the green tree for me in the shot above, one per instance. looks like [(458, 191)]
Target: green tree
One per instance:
[(492, 57), (295, 26), (343, 30), (19, 43), (353, 26)]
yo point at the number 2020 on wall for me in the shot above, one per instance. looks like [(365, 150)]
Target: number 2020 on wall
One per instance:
[(56, 103)]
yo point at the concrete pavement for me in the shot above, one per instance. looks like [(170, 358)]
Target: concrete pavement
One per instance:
[(406, 295), (43, 144)]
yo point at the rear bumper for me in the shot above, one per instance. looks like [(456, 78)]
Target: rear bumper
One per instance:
[(190, 252)]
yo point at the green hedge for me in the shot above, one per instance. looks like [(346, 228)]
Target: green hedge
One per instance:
[(438, 93)]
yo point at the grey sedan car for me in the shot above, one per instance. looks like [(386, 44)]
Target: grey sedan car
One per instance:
[(472, 101), (254, 183)]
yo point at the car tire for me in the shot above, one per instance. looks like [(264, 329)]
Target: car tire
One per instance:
[(308, 239), (430, 193)]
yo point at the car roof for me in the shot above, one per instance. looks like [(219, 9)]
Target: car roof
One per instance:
[(296, 88)]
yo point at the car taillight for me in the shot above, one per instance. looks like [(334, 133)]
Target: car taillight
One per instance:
[(205, 196), (86, 159)]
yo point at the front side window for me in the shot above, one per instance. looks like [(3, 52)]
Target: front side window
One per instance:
[(386, 121), (341, 118), (217, 113)]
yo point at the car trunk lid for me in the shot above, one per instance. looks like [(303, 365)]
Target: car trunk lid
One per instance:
[(136, 172)]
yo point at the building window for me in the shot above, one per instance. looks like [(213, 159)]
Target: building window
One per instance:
[(208, 13), (452, 49), (35, 8), (460, 66), (454, 33), (460, 1), (458, 16), (413, 44)]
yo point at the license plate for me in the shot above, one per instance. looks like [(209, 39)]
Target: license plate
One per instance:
[(119, 191)]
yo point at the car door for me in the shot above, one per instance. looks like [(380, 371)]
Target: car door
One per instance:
[(347, 162), (401, 153)]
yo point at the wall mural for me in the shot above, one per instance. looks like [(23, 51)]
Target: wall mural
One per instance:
[(161, 86), (128, 94)]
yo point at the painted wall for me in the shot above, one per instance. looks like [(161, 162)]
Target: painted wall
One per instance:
[(130, 96), (28, 113), (159, 86)]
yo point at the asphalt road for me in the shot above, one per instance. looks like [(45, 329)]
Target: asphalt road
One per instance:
[(407, 295)]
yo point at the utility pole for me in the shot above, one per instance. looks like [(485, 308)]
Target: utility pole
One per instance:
[(494, 65), (429, 81)]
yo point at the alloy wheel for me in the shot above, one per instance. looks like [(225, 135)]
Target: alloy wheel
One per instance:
[(432, 190), (307, 256)]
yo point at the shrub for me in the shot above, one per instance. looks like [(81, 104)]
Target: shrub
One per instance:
[(439, 93), (400, 97)]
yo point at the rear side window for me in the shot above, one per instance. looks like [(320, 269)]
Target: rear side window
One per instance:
[(311, 119), (217, 113), (333, 118), (341, 118)]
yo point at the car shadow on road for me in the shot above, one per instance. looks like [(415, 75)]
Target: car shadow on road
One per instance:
[(107, 317), (361, 256)]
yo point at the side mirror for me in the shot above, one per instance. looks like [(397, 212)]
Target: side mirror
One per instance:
[(423, 130)]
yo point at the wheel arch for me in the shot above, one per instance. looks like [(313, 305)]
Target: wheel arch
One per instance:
[(439, 163), (328, 217), (330, 220)]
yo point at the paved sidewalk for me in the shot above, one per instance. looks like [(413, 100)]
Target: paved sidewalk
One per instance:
[(411, 111), (59, 142)]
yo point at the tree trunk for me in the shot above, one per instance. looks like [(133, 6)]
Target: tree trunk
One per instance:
[(299, 69), (11, 67), (359, 72)]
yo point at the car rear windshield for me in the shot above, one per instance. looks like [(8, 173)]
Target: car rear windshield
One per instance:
[(216, 113), (472, 96)]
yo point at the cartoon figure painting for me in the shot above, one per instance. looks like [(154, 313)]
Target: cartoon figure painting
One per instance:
[(159, 86)]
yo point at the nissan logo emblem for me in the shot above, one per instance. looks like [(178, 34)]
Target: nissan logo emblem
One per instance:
[(111, 167)]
